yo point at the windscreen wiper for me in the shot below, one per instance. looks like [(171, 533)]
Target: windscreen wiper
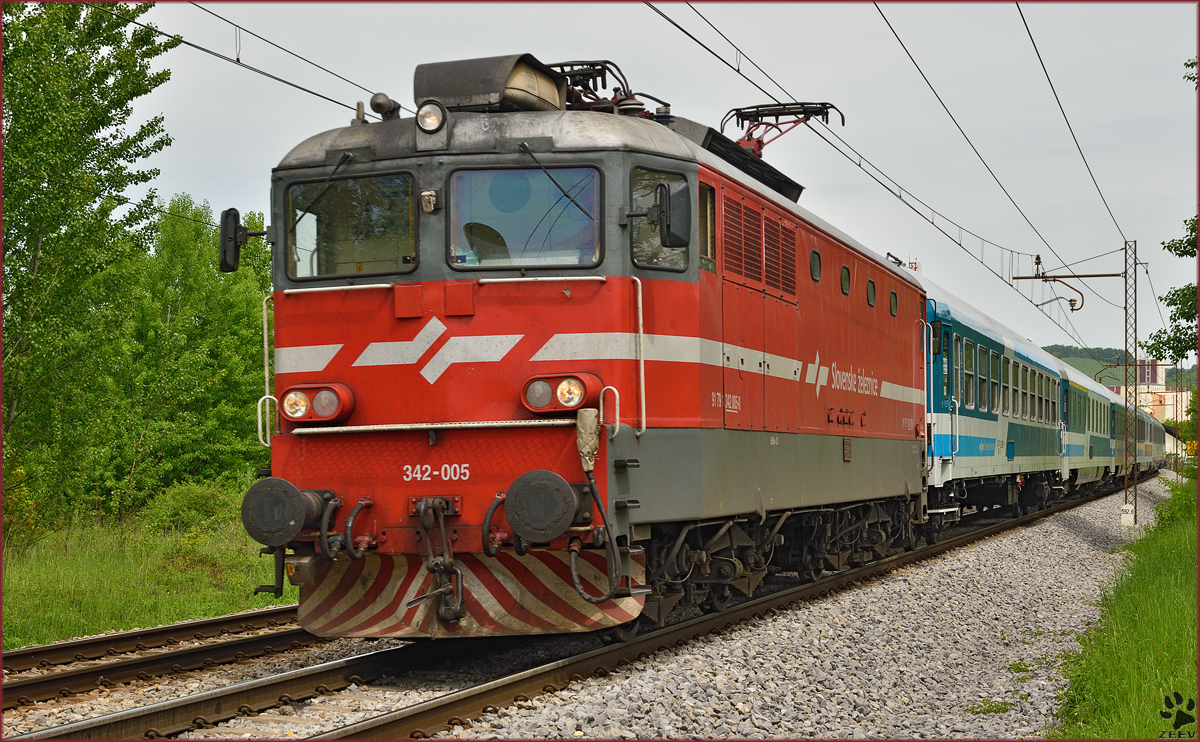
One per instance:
[(525, 148), (346, 157)]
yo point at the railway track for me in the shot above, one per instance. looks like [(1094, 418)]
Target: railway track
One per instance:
[(95, 647), (23, 687), (423, 719)]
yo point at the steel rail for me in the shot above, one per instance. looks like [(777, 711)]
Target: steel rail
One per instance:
[(211, 707), (439, 714), (60, 653), (28, 689), (421, 720)]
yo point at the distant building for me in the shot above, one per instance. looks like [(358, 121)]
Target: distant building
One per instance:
[(1162, 401)]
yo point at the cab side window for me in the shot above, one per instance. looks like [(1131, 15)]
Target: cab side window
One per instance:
[(708, 228), (648, 251)]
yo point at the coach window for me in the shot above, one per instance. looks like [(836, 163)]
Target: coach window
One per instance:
[(870, 293), (648, 250), (814, 265), (708, 228), (355, 226), (894, 305), (1041, 390), (1024, 392), (846, 280), (958, 377), (969, 374), (983, 379), (946, 365), (1004, 385), (995, 380)]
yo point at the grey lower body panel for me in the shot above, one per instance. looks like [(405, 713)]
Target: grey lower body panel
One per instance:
[(691, 473)]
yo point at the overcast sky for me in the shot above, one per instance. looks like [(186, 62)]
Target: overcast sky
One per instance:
[(1117, 69)]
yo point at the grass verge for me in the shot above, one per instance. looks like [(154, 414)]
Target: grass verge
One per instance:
[(1144, 646), (95, 577)]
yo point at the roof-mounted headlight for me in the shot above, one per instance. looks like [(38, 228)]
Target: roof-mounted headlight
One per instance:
[(431, 117)]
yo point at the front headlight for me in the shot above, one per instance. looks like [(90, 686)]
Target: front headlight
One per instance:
[(430, 117), (325, 403), (537, 394), (570, 392), (295, 403)]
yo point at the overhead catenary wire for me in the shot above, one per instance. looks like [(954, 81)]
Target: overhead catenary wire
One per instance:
[(231, 60), (242, 28), (980, 156), (1068, 121), (1146, 269), (880, 177)]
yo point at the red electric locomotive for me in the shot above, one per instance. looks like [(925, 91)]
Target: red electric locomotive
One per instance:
[(547, 362)]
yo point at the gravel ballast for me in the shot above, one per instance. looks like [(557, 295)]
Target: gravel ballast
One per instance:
[(965, 645)]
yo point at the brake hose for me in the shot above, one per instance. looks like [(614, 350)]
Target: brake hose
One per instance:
[(610, 543)]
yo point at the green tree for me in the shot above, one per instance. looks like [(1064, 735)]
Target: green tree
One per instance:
[(1177, 341), (187, 369), (71, 73)]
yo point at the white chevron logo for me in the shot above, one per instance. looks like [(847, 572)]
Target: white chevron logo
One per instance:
[(467, 349), (817, 374)]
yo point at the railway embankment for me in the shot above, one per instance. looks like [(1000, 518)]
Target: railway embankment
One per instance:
[(1123, 681), (968, 645)]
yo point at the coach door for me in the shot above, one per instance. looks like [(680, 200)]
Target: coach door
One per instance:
[(741, 267)]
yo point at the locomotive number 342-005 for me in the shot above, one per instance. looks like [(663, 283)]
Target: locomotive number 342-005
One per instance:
[(427, 473)]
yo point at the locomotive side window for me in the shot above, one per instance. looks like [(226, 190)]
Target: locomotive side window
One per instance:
[(708, 222), (814, 265), (351, 226), (870, 293), (969, 374), (846, 280), (894, 304), (523, 218), (648, 250)]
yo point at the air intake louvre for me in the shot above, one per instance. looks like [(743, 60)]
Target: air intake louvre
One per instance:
[(789, 260), (773, 254), (752, 243), (733, 235)]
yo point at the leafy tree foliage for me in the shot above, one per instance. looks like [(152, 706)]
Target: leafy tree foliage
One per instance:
[(1178, 340), (130, 362), (71, 73)]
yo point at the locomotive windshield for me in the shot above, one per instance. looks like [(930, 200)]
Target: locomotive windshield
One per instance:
[(525, 218), (357, 225)]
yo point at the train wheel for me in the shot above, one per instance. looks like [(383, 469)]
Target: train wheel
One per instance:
[(619, 634), (717, 600)]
